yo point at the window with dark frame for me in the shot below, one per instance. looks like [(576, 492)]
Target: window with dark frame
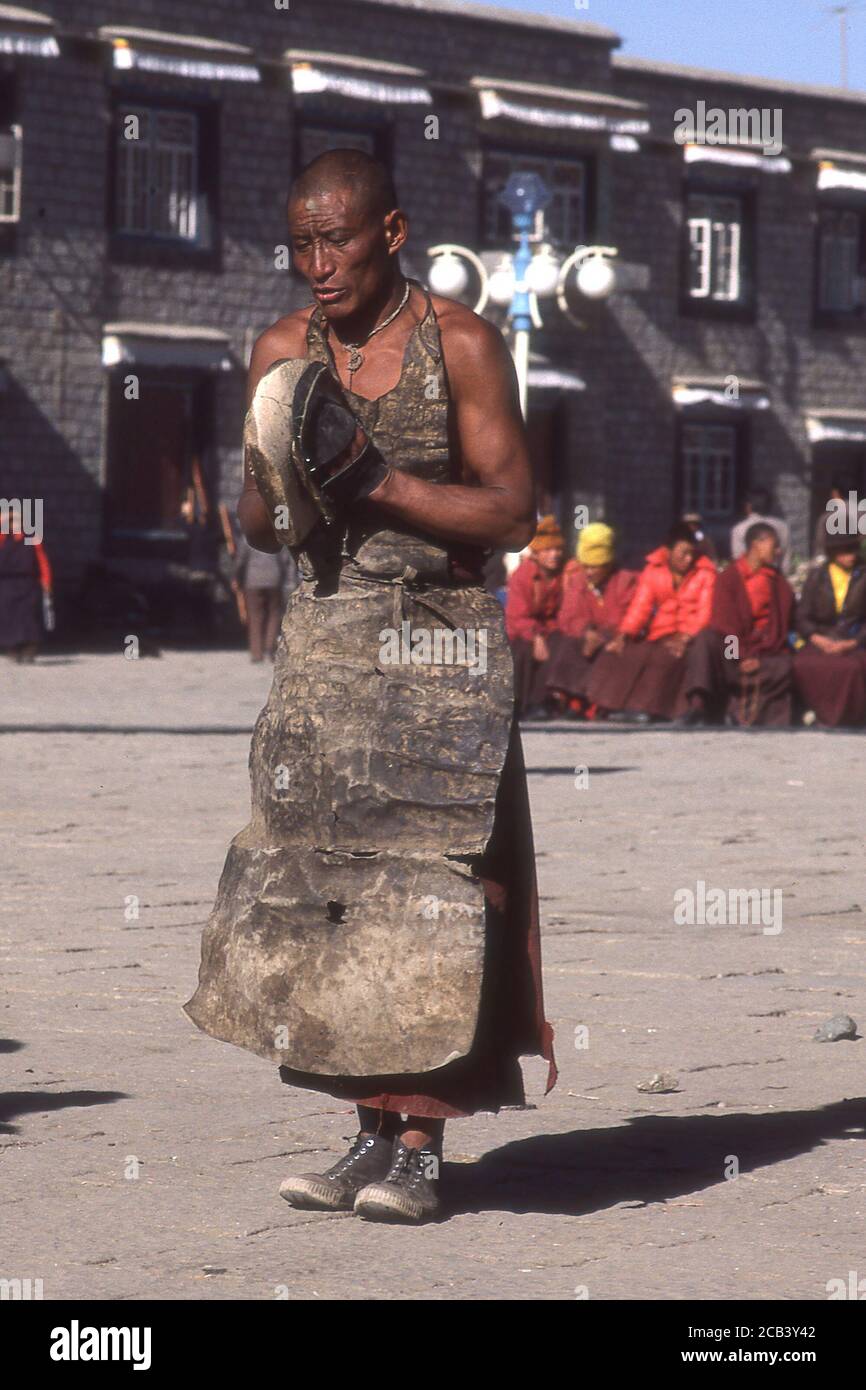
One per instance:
[(165, 175), (565, 216), (841, 267), (11, 149), (708, 470), (716, 228), (11, 143)]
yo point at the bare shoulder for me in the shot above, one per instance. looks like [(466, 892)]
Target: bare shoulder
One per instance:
[(474, 349), (285, 338)]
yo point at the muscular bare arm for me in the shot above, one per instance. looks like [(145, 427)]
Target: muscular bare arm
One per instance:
[(499, 511), (495, 510)]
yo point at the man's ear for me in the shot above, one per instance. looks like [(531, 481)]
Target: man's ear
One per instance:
[(396, 230)]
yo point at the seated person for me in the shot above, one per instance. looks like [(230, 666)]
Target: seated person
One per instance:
[(642, 668), (740, 666), (595, 596), (531, 609), (830, 668), (758, 508)]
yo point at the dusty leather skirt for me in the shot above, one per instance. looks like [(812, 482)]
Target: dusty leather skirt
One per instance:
[(376, 927)]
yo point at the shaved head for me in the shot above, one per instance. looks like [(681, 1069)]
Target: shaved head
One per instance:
[(354, 171)]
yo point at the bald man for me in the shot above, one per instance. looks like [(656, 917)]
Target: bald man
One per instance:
[(376, 929)]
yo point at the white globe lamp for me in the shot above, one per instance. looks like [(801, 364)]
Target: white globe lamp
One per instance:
[(448, 276), (502, 283), (596, 278), (542, 274)]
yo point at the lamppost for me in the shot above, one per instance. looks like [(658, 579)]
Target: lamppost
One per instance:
[(524, 276)]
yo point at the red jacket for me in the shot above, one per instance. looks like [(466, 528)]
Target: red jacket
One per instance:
[(532, 601), (666, 609), (584, 607)]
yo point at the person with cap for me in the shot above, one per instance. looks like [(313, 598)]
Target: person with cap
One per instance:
[(641, 671), (596, 595), (375, 932), (531, 611), (739, 667), (830, 663)]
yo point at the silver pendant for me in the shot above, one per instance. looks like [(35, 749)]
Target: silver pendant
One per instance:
[(356, 361)]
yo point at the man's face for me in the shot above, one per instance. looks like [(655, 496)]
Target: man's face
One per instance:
[(682, 557), (342, 248), (550, 559), (767, 549), (596, 574)]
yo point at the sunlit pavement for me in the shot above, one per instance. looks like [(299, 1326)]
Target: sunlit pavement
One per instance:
[(142, 1159)]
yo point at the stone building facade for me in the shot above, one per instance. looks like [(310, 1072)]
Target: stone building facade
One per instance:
[(146, 147)]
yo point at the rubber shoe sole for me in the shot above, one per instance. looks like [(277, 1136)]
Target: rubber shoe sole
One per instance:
[(385, 1202), (315, 1194)]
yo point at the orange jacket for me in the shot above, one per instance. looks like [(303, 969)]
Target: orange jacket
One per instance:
[(664, 609)]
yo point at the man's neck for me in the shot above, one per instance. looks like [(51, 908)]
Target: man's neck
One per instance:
[(358, 327)]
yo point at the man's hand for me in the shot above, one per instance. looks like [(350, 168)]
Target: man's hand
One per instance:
[(824, 644), (749, 665), (540, 649), (592, 640), (616, 645)]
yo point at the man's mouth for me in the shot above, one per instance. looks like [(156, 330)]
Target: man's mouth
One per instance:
[(327, 294)]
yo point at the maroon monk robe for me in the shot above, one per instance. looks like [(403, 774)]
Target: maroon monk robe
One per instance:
[(832, 684), (585, 609), (531, 607), (756, 608)]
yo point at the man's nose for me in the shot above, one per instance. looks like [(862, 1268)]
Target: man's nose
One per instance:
[(322, 264)]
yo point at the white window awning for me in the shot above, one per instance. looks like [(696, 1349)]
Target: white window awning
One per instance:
[(183, 55), (836, 426), (166, 345), (27, 32), (543, 374), (313, 71), (833, 175), (737, 157), (734, 393), (559, 108)]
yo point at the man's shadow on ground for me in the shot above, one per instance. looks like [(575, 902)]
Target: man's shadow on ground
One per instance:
[(650, 1159)]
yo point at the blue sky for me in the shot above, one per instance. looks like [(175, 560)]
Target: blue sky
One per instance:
[(793, 39)]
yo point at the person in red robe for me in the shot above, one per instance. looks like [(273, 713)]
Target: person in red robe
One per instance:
[(830, 666), (642, 669), (25, 581), (739, 668), (595, 596), (531, 610)]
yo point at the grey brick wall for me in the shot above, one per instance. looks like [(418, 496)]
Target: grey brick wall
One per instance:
[(60, 284)]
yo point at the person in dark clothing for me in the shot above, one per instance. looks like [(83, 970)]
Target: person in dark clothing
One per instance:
[(25, 582), (830, 667)]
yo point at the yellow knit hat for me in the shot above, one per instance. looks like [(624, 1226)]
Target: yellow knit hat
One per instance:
[(596, 544)]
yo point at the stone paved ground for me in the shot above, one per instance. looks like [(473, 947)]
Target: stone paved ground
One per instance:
[(130, 779)]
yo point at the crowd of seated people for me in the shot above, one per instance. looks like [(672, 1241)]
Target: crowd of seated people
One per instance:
[(689, 640)]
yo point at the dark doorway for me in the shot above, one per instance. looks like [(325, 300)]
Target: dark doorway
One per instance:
[(159, 427)]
